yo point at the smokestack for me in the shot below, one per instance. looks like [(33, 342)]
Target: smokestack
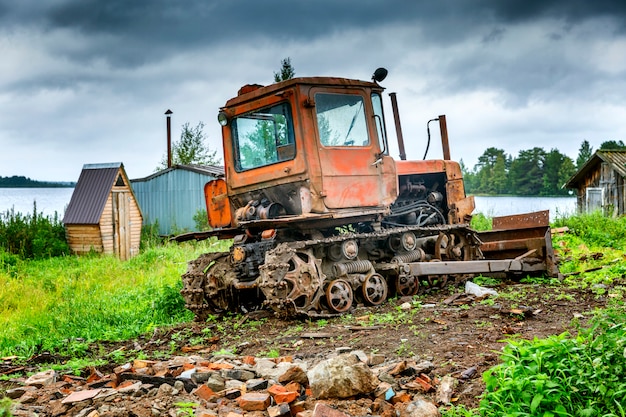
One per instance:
[(168, 115)]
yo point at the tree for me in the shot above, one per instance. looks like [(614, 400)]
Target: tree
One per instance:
[(558, 168), (611, 145), (584, 153), (527, 172), (191, 149), (287, 72), (491, 172)]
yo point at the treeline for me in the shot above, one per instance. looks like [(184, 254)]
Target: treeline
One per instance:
[(24, 182), (534, 172)]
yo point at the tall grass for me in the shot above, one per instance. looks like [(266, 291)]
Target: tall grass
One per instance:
[(46, 303), (32, 236)]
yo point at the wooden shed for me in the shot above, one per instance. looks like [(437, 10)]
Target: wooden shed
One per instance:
[(599, 183), (173, 196), (103, 214)]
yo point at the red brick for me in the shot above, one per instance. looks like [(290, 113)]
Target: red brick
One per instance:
[(293, 386), (204, 392), (276, 389), (401, 397), (322, 410), (254, 401), (286, 397)]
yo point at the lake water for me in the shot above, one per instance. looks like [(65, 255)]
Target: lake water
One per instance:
[(50, 200)]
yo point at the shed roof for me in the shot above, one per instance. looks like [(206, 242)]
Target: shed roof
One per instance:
[(209, 170), (91, 193), (616, 159)]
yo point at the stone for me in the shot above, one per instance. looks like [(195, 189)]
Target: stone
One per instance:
[(238, 374), (254, 401), (294, 373), (42, 379), (256, 384), (280, 410), (445, 389), (80, 396), (418, 408), (16, 393), (216, 382), (341, 377)]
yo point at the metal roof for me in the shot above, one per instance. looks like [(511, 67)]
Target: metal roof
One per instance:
[(210, 170), (91, 193), (615, 158)]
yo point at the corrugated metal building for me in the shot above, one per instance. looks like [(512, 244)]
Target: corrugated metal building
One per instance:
[(103, 214), (600, 184), (174, 195)]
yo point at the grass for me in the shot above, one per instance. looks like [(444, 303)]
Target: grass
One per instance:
[(60, 303)]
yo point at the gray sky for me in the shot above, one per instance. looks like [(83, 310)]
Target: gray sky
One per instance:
[(88, 81)]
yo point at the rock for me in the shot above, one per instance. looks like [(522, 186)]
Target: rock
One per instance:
[(418, 408), (256, 384), (238, 374), (280, 410), (445, 389), (341, 377), (216, 382), (424, 367), (41, 379), (294, 373), (16, 393)]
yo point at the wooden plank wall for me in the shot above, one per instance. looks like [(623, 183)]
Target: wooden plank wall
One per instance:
[(83, 238)]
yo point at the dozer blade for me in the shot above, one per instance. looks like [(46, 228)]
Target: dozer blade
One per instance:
[(523, 237)]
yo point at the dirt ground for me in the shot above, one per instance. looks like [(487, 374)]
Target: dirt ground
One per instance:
[(457, 333)]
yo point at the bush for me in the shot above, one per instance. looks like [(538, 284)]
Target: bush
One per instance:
[(32, 236), (581, 376)]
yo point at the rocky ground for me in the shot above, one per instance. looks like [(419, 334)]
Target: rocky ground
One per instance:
[(404, 358)]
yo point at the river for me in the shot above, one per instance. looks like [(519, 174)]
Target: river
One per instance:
[(50, 200)]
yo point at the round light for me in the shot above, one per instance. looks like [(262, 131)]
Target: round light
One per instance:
[(222, 118)]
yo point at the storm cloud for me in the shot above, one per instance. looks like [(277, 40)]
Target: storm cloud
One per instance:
[(85, 81)]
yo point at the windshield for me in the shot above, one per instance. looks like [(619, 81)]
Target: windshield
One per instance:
[(341, 120), (263, 137)]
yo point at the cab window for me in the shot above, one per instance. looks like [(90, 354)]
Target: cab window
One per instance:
[(341, 120), (263, 137)]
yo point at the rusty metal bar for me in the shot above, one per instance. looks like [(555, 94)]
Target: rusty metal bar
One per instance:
[(443, 128), (396, 118)]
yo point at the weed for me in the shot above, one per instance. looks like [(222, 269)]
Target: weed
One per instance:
[(5, 407), (185, 408), (561, 375), (322, 323), (273, 353)]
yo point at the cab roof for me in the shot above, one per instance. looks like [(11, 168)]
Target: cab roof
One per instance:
[(253, 91)]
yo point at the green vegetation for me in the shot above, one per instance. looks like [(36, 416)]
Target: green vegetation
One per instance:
[(24, 182), (562, 375), (534, 172), (60, 304), (579, 374), (30, 236)]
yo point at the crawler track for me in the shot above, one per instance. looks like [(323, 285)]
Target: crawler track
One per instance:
[(323, 277)]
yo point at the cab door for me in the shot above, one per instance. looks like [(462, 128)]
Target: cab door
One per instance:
[(354, 173)]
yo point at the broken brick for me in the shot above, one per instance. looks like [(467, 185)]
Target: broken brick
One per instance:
[(254, 401), (286, 397), (204, 392)]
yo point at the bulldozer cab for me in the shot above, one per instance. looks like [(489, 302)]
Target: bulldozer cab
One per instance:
[(304, 146)]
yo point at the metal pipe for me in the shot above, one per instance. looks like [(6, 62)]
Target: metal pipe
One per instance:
[(443, 128), (396, 118), (168, 115)]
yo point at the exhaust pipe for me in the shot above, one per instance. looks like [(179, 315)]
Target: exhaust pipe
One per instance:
[(396, 118)]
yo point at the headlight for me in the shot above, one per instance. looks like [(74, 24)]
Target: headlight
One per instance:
[(222, 118)]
